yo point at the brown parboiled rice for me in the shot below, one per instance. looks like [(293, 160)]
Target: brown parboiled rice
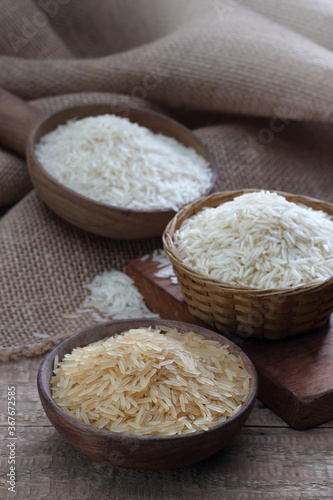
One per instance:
[(143, 381), (258, 240)]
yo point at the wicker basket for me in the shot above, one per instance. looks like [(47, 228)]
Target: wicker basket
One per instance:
[(248, 312)]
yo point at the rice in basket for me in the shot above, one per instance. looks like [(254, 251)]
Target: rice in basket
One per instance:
[(259, 240), (151, 381)]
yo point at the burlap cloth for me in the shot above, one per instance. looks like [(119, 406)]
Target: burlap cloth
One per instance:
[(253, 77)]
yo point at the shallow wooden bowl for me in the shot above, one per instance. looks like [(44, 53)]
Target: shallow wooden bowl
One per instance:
[(21, 127), (134, 451)]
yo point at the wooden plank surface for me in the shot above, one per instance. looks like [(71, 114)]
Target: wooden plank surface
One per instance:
[(267, 460), (295, 375)]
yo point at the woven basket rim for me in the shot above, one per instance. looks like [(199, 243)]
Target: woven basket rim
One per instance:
[(204, 201)]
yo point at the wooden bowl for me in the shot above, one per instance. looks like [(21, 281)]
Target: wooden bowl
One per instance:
[(135, 451), (243, 311), (22, 126)]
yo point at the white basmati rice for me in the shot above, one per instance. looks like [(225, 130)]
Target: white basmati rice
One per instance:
[(144, 381), (40, 335), (258, 240), (164, 267), (114, 294), (114, 161)]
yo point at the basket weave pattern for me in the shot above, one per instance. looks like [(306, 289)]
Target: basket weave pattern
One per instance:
[(248, 312)]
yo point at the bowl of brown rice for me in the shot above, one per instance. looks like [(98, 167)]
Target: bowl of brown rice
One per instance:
[(255, 263), (147, 393)]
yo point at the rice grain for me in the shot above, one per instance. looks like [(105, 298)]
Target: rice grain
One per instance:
[(120, 384), (258, 240)]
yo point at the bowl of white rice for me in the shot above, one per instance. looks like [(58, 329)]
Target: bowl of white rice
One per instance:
[(147, 393), (255, 263), (116, 171)]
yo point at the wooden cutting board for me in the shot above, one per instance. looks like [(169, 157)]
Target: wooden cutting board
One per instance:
[(295, 375)]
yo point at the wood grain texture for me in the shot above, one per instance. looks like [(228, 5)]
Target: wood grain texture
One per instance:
[(100, 218), (130, 450), (266, 460), (295, 375)]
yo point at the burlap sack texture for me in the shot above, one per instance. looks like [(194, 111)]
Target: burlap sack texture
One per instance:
[(45, 261), (253, 77)]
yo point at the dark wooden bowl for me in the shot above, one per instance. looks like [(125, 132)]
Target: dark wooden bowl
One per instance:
[(135, 451), (21, 127)]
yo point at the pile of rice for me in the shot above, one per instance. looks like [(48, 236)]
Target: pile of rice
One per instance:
[(114, 295), (258, 240), (111, 160), (144, 381)]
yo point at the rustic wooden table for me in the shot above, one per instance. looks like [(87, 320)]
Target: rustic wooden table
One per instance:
[(267, 460)]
